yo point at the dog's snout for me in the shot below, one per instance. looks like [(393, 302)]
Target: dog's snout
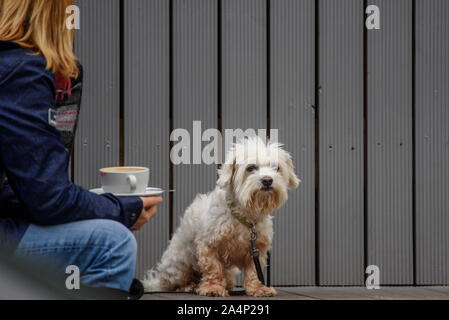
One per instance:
[(267, 181)]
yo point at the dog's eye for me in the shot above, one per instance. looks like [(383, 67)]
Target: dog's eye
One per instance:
[(278, 168), (251, 168)]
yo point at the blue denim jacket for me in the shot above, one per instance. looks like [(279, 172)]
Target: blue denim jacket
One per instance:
[(34, 159)]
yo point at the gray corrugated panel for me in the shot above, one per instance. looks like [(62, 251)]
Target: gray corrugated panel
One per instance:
[(292, 96), (146, 59), (97, 45), (244, 64), (194, 92), (432, 142), (341, 142), (390, 236)]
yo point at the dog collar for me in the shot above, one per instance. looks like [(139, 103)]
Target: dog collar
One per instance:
[(237, 215)]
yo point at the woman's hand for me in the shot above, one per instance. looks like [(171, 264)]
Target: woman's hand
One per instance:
[(148, 211)]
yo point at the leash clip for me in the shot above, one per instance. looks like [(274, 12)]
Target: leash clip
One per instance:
[(253, 238)]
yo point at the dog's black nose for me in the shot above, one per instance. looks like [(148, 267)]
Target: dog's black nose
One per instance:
[(267, 181)]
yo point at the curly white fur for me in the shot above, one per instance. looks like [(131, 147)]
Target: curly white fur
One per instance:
[(210, 244)]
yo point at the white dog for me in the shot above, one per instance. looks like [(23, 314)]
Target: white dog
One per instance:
[(213, 240)]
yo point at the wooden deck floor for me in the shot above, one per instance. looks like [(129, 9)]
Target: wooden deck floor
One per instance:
[(329, 293)]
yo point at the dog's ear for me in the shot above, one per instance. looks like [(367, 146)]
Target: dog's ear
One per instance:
[(226, 172), (293, 180)]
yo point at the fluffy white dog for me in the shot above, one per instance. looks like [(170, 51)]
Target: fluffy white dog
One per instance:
[(213, 240)]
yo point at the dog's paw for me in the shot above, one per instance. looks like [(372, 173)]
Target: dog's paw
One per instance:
[(212, 290), (261, 291)]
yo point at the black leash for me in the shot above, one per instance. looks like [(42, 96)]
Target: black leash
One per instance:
[(253, 237)]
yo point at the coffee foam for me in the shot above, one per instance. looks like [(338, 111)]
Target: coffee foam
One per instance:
[(123, 169)]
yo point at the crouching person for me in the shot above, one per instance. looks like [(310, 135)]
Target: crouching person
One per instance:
[(44, 216)]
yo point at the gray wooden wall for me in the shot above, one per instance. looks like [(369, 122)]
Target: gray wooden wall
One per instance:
[(365, 114)]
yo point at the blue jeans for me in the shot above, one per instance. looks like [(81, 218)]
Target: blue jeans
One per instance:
[(103, 250)]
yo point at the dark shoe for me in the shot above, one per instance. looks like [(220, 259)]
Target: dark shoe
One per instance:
[(135, 293)]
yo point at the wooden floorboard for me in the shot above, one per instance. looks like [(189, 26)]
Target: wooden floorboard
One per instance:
[(327, 293)]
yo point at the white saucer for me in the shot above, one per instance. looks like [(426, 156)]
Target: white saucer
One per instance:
[(151, 191)]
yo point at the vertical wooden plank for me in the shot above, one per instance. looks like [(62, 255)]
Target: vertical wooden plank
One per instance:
[(97, 45), (244, 64), (146, 112), (195, 69), (341, 234), (390, 236), (292, 98), (432, 142)]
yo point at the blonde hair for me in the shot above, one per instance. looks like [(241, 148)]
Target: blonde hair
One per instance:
[(39, 25)]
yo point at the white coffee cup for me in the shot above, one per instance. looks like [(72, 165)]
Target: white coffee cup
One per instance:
[(124, 180)]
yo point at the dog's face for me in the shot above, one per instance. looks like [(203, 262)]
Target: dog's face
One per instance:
[(259, 174)]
